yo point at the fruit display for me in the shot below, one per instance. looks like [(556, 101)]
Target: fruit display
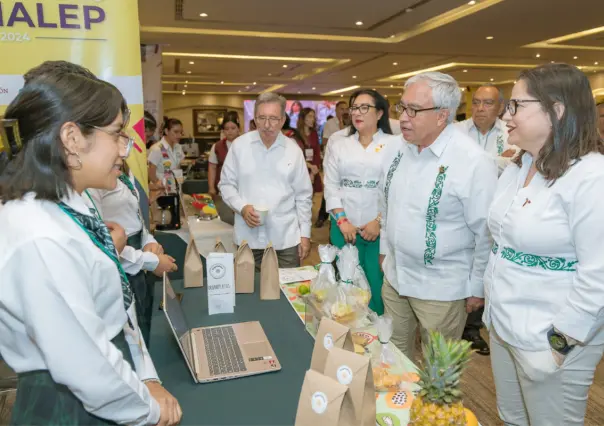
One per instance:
[(385, 380), (439, 401), (325, 280), (204, 204), (342, 312), (303, 289)]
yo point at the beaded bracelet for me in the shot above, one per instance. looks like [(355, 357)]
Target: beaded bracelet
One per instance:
[(341, 221), (340, 215)]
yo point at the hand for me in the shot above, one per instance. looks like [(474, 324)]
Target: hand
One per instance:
[(474, 303), (382, 257), (349, 231), (166, 264), (213, 193), (154, 248), (508, 153), (250, 216), (313, 169), (370, 231), (118, 235), (170, 412), (304, 248)]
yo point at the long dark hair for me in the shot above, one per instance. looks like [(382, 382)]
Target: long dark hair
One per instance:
[(575, 134), (230, 117), (300, 124), (381, 104), (42, 107)]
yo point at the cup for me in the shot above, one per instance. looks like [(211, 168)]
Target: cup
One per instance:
[(262, 213)]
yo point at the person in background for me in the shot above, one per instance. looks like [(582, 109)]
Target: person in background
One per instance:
[(543, 282), (294, 112), (486, 128), (167, 154), (436, 193), (150, 128), (266, 170), (491, 134), (71, 332), (252, 125), (219, 151), (311, 149), (601, 119), (332, 126), (352, 174)]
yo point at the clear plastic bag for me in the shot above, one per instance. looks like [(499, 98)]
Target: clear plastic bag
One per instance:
[(325, 281), (387, 369), (341, 304)]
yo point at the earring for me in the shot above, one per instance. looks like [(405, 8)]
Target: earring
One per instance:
[(78, 159)]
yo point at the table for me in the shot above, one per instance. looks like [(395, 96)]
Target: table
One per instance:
[(265, 400)]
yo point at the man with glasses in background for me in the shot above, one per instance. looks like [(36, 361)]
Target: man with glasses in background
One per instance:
[(436, 192), (265, 180), (491, 134)]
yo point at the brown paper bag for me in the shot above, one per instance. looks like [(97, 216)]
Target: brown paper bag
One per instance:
[(324, 402), (245, 269), (219, 247), (193, 266), (269, 275), (330, 335), (354, 371)]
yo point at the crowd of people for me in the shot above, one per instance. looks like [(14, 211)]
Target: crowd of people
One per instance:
[(493, 220)]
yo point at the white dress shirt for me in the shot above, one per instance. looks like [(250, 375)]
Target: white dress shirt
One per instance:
[(547, 264), (495, 142), (352, 176), (275, 178), (434, 209), (331, 126), (60, 305), (122, 207), (167, 159)]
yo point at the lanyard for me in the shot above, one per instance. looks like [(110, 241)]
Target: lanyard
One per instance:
[(96, 210)]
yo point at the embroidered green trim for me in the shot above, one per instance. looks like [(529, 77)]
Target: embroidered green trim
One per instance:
[(391, 172), (499, 145), (431, 214), (534, 261), (357, 184)]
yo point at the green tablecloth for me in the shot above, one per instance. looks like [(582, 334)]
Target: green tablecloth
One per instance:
[(267, 399)]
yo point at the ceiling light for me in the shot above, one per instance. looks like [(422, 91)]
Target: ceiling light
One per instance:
[(465, 70), (247, 87), (239, 91), (392, 85), (359, 23), (314, 88), (395, 63), (595, 63), (392, 36), (203, 15), (354, 76), (341, 96), (472, 3), (408, 10), (514, 81), (385, 96), (188, 72), (538, 55), (490, 37), (269, 74), (184, 93), (222, 82), (492, 79), (284, 65), (186, 85), (299, 92), (552, 62), (575, 57), (463, 89), (187, 81), (191, 63), (254, 83)]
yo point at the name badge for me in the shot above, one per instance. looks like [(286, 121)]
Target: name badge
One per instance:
[(309, 154)]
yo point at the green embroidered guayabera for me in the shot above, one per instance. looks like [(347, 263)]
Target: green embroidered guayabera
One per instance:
[(431, 214), (533, 261)]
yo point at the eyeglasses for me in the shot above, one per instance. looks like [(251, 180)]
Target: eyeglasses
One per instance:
[(412, 112), (119, 134), (272, 120), (363, 109), (513, 104)]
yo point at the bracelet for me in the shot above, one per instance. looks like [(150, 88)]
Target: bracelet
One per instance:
[(152, 381), (340, 215), (341, 221)]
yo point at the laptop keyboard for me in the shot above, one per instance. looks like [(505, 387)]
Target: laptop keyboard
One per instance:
[(223, 351)]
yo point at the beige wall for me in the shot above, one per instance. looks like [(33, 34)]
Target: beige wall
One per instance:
[(597, 85)]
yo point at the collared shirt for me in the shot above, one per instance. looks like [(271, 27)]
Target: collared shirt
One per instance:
[(434, 209), (547, 264), (122, 207), (331, 126), (60, 305), (276, 179), (213, 157), (352, 176), (164, 157), (495, 142)]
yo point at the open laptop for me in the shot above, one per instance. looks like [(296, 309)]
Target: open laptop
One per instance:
[(219, 353)]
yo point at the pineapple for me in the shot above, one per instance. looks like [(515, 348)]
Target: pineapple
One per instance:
[(439, 400)]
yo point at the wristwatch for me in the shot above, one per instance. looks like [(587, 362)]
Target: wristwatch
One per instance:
[(558, 342)]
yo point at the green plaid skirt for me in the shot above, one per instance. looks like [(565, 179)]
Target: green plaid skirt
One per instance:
[(143, 293), (42, 401)]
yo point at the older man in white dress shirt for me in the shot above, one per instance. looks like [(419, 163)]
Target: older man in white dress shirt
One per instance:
[(266, 170), (437, 190)]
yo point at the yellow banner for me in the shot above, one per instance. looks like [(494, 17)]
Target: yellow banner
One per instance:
[(101, 35)]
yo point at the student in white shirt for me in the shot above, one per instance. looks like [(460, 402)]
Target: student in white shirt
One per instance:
[(265, 169), (68, 326), (437, 191), (544, 280), (167, 154), (335, 124), (352, 173)]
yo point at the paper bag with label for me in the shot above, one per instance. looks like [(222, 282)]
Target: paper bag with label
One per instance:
[(269, 275), (221, 283), (330, 335), (219, 247), (245, 266), (324, 402), (354, 371), (193, 266)]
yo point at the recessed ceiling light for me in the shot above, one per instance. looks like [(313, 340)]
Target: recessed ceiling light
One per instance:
[(188, 72), (341, 96), (187, 81), (580, 67), (538, 55), (492, 79), (490, 37), (392, 36), (408, 10), (284, 65), (186, 85), (354, 76), (385, 96), (472, 3), (239, 91), (314, 88), (392, 85), (222, 82), (395, 63), (247, 87), (359, 23), (184, 93), (465, 70), (203, 15), (595, 63), (552, 62), (575, 57), (299, 92), (191, 63), (254, 83), (269, 74), (463, 89)]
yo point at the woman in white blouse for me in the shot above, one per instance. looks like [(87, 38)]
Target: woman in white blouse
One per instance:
[(68, 326), (544, 283), (352, 172), (165, 156)]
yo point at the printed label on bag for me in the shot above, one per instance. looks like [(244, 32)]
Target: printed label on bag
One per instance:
[(344, 375), (328, 341), (319, 402)]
